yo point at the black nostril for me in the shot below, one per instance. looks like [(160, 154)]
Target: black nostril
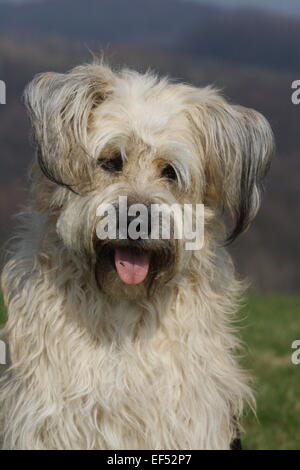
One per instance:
[(149, 222), (131, 218), (134, 227), (141, 229)]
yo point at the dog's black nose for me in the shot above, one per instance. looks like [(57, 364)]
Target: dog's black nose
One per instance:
[(139, 225), (135, 227)]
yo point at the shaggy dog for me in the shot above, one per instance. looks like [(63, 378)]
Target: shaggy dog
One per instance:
[(128, 344)]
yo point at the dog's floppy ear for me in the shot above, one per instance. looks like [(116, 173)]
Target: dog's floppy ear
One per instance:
[(59, 106), (237, 145)]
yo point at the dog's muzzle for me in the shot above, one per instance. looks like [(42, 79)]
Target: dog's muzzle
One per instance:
[(137, 255)]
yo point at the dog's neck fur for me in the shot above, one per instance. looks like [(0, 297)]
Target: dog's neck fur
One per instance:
[(126, 368)]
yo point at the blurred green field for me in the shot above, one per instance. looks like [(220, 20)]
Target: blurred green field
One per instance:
[(272, 323)]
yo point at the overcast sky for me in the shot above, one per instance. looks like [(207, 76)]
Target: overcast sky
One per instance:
[(283, 6)]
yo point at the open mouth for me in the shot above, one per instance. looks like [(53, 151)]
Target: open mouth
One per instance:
[(132, 265)]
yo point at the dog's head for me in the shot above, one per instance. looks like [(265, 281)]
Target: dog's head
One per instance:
[(102, 134)]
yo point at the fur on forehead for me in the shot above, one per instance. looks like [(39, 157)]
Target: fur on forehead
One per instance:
[(75, 115), (151, 108)]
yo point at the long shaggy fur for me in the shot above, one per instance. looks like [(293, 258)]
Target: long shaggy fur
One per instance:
[(99, 364)]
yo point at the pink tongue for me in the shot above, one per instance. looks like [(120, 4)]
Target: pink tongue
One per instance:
[(132, 267)]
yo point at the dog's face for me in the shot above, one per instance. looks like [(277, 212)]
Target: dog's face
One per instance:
[(101, 135)]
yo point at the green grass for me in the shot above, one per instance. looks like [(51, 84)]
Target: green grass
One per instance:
[(272, 324)]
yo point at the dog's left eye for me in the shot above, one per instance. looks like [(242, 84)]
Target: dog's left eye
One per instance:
[(169, 173), (113, 164)]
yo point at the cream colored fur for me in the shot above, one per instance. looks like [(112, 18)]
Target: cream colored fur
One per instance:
[(116, 366)]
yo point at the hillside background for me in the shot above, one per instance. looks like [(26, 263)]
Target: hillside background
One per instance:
[(252, 54)]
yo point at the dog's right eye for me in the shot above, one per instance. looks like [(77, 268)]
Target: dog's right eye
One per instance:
[(113, 164), (169, 173)]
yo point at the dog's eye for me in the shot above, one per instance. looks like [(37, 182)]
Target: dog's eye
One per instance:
[(113, 164), (169, 173)]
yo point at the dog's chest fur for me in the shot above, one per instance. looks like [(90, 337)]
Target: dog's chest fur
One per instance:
[(158, 374)]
